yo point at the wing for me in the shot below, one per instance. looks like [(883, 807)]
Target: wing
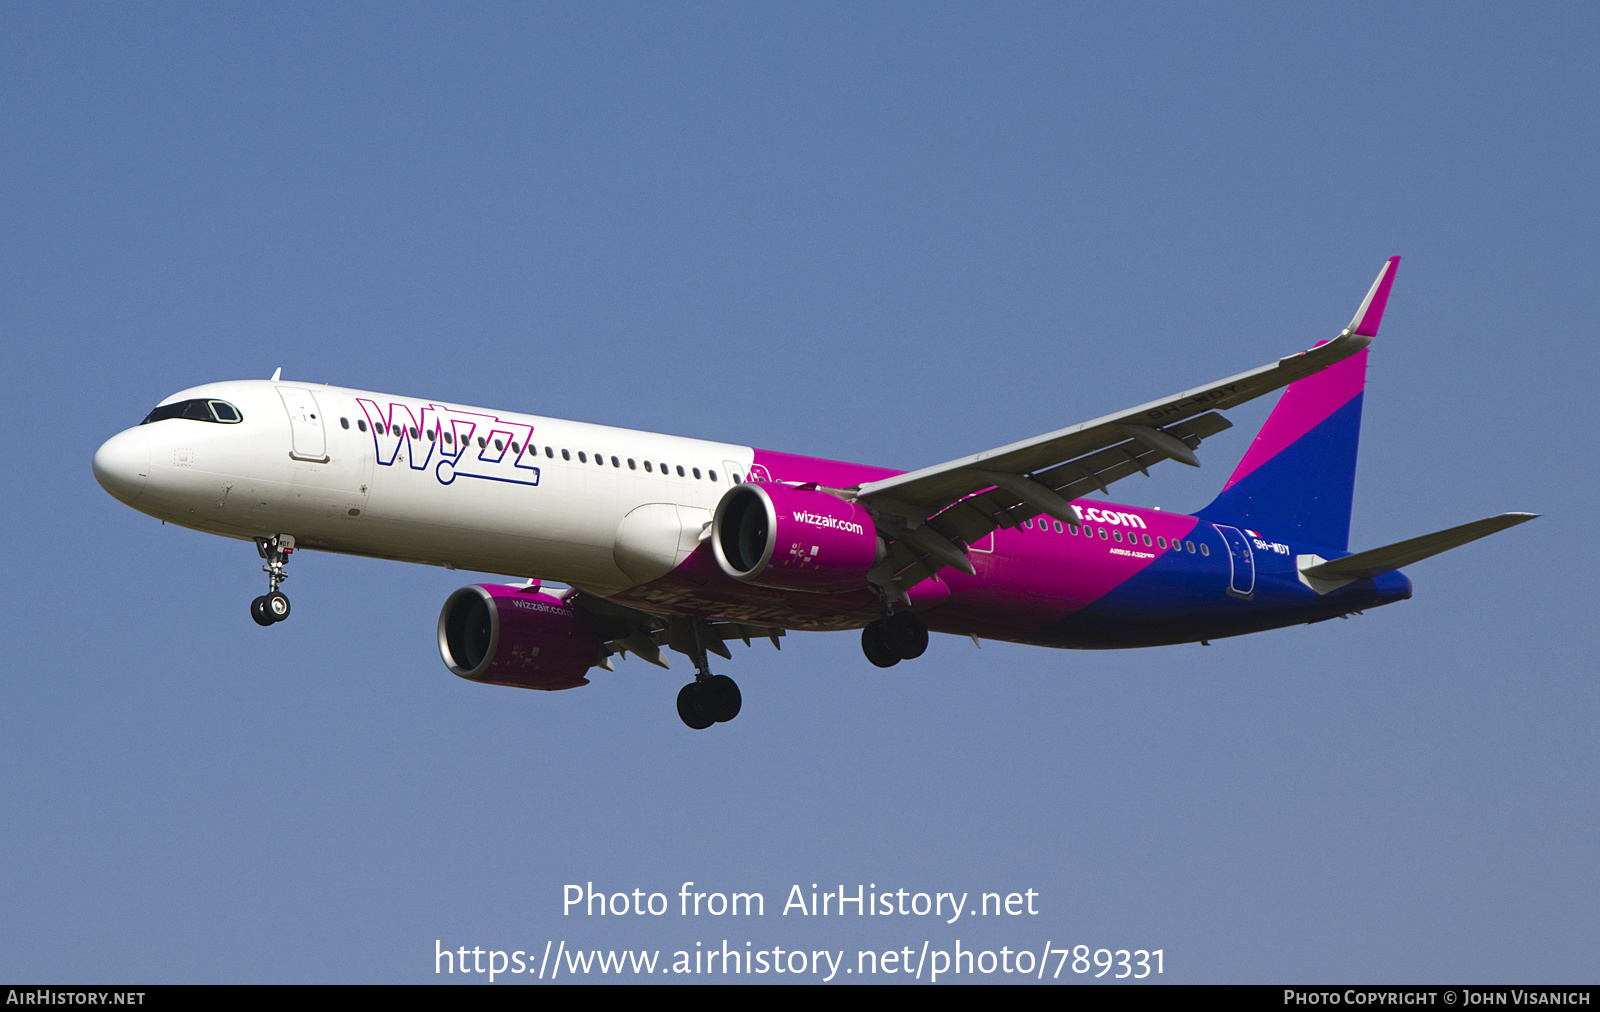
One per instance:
[(623, 630), (930, 516)]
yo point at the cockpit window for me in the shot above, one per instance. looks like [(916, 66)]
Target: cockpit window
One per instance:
[(199, 410)]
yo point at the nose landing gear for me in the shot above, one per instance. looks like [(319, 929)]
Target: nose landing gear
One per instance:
[(273, 606)]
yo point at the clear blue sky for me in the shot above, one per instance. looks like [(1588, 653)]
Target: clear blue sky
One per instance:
[(886, 233)]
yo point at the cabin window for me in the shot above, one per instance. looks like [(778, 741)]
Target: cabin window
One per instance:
[(1103, 534), (430, 435), (631, 465), (361, 423), (413, 433), (712, 475), (583, 458), (648, 468), (1058, 527), (600, 459), (1161, 542), (614, 462), (498, 445), (680, 471), (549, 453), (344, 423), (1205, 549), (449, 437), (566, 455), (736, 477), (697, 474), (1117, 535), (1189, 546)]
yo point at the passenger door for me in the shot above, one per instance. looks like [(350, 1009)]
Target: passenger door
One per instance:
[(305, 422), (1242, 578)]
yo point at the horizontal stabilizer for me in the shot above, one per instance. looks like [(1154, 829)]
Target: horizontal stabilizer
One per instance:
[(1376, 562)]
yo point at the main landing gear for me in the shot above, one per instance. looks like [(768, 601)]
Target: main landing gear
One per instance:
[(709, 699), (902, 636), (713, 699), (273, 606)]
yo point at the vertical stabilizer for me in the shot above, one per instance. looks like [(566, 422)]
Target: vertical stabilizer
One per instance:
[(1297, 480)]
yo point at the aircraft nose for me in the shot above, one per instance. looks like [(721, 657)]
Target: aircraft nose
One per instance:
[(122, 464)]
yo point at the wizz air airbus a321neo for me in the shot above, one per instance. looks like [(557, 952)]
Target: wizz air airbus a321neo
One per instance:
[(688, 544)]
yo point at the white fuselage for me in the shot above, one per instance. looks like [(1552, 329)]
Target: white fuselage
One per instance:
[(426, 481)]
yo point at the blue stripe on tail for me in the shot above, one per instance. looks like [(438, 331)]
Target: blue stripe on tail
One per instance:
[(1304, 493)]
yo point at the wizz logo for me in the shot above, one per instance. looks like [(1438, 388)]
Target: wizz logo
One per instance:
[(445, 439)]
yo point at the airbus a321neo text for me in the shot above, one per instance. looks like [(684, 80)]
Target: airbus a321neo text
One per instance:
[(685, 544)]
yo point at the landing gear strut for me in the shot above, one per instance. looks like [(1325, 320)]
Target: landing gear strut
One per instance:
[(273, 606), (709, 699), (902, 636)]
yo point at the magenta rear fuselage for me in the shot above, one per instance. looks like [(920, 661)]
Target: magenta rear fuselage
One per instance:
[(1129, 577)]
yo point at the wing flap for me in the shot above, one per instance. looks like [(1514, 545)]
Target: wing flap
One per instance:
[(978, 513)]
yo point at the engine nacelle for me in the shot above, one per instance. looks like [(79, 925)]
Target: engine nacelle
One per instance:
[(793, 539), (516, 636)]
